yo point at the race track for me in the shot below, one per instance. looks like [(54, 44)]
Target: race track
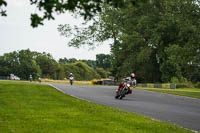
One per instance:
[(179, 110)]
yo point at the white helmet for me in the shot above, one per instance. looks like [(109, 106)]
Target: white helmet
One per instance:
[(132, 75)]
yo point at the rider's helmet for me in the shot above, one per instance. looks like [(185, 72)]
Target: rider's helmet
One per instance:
[(132, 75)]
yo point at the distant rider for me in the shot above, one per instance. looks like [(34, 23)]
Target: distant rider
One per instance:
[(71, 78)]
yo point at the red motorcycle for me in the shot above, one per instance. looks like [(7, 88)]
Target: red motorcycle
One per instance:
[(123, 90)]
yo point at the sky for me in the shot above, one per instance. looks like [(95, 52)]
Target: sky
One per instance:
[(16, 33)]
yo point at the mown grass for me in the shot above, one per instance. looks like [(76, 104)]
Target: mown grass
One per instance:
[(189, 92), (35, 108), (67, 82)]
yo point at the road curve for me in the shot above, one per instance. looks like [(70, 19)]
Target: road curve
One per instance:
[(179, 110)]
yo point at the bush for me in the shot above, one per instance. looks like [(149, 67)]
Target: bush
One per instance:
[(197, 85), (101, 72), (184, 85), (174, 80), (81, 71)]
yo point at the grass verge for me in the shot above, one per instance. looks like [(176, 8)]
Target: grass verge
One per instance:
[(67, 82), (189, 92), (35, 108)]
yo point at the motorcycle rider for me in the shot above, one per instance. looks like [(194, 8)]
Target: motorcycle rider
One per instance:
[(71, 78), (131, 80), (71, 75)]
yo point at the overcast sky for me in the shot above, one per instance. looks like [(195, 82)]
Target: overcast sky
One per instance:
[(17, 34)]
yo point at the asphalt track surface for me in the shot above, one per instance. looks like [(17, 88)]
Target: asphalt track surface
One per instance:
[(179, 110)]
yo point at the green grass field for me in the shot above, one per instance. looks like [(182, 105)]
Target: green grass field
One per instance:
[(189, 92), (35, 108)]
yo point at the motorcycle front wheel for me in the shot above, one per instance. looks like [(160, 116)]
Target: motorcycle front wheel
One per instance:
[(121, 97), (123, 94)]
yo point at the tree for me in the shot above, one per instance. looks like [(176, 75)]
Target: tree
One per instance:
[(65, 60), (48, 65), (149, 39), (103, 61), (102, 72), (81, 71), (60, 73), (90, 63), (102, 28), (24, 63), (27, 65), (86, 8), (2, 11), (4, 69), (20, 63)]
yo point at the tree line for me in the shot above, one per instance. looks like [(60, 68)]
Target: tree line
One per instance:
[(157, 40), (24, 63)]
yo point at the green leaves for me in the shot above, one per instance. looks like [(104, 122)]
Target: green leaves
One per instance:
[(81, 71), (156, 39), (157, 36), (24, 63), (85, 8), (2, 11), (103, 61), (36, 20)]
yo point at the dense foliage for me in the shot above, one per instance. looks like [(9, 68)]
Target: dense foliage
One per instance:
[(2, 11), (81, 71), (158, 40), (24, 63)]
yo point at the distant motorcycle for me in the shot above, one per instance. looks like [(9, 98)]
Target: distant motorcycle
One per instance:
[(71, 80), (123, 90)]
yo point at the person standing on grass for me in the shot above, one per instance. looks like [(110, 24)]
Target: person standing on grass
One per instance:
[(31, 78)]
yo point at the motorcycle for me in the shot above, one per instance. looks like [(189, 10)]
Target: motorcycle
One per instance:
[(71, 79), (123, 90)]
